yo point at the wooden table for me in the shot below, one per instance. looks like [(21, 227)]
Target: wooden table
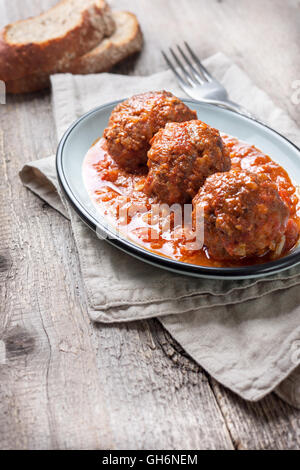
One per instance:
[(66, 382)]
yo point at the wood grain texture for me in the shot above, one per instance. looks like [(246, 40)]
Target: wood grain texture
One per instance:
[(67, 383), (262, 37)]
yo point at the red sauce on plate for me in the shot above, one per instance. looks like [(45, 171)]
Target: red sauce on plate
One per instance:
[(119, 196)]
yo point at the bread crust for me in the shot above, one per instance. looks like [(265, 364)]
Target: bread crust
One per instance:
[(18, 60), (100, 59), (28, 84), (108, 53)]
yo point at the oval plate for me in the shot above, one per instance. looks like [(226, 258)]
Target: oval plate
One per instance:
[(86, 130)]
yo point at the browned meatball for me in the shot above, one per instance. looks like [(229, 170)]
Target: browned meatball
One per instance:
[(134, 122), (181, 157), (244, 215)]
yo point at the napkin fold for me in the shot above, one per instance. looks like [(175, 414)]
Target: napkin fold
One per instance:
[(246, 334)]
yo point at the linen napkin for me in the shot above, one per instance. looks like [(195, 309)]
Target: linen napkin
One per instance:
[(246, 334)]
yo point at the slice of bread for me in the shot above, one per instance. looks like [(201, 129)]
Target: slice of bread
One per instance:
[(53, 39), (126, 40)]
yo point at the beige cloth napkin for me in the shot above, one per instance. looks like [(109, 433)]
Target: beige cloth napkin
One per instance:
[(246, 334)]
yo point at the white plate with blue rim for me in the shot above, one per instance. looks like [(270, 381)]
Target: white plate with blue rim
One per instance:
[(86, 130)]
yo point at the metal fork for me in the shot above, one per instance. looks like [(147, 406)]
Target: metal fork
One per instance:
[(197, 82)]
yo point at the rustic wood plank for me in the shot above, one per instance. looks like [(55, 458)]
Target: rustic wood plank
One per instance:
[(267, 424), (248, 33), (67, 383), (50, 365), (262, 37)]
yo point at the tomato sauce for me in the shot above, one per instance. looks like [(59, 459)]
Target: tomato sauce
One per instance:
[(119, 196)]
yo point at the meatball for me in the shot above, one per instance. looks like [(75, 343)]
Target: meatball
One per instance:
[(244, 215), (181, 157), (134, 122)]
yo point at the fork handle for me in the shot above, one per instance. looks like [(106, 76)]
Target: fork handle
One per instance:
[(240, 109), (231, 106)]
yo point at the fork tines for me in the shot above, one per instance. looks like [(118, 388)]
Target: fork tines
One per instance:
[(192, 70)]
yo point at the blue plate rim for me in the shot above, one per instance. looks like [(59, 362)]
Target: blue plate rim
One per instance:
[(243, 272)]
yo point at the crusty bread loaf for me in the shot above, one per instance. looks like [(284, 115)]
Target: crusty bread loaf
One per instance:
[(53, 39), (126, 40)]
